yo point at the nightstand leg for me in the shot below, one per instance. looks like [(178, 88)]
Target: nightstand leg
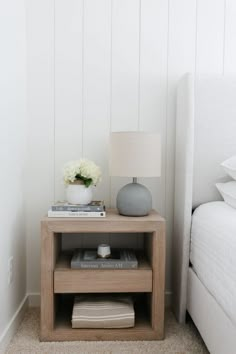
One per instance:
[(47, 294), (157, 300)]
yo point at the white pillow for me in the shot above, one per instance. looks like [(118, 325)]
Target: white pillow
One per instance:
[(228, 192), (230, 166)]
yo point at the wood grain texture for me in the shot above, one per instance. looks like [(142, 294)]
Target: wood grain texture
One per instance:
[(113, 222), (57, 277), (67, 280), (155, 249), (103, 281), (158, 266), (47, 268), (64, 333)]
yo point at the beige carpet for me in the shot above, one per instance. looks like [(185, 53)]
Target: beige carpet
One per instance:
[(180, 339)]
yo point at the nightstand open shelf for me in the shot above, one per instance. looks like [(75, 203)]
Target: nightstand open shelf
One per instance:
[(63, 325), (59, 283)]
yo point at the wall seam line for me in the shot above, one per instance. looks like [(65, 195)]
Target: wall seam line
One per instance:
[(54, 101), (139, 60), (82, 83), (224, 34), (111, 82), (167, 102), (196, 38)]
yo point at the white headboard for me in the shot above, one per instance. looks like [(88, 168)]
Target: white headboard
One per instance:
[(205, 137)]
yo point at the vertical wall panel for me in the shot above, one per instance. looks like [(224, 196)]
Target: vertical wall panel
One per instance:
[(40, 91), (97, 85), (210, 36), (97, 70), (182, 25), (125, 64), (68, 86), (125, 73), (230, 38), (124, 79), (153, 84), (153, 64)]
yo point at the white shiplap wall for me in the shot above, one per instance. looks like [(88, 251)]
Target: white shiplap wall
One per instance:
[(109, 65), (13, 135)]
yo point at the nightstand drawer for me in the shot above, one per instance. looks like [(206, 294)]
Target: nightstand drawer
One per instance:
[(103, 280)]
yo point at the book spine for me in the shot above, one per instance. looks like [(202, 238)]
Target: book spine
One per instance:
[(76, 214), (77, 208), (103, 265)]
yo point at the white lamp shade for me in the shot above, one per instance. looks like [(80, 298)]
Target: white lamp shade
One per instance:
[(135, 154)]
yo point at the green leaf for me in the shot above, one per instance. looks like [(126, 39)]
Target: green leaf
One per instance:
[(87, 181)]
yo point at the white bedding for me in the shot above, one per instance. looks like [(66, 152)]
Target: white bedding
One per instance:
[(213, 252)]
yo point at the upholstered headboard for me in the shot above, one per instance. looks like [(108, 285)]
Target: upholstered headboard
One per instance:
[(205, 137)]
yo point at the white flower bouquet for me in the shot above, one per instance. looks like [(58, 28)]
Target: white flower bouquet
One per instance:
[(83, 171)]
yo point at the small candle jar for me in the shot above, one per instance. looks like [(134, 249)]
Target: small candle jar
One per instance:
[(104, 251)]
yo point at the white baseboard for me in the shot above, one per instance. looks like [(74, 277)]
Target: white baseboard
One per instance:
[(13, 325), (34, 299)]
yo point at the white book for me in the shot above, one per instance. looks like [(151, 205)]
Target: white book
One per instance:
[(76, 214)]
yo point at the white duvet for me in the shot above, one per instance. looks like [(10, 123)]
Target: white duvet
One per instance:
[(213, 252)]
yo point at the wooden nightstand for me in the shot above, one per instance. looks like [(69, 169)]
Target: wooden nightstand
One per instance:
[(59, 282)]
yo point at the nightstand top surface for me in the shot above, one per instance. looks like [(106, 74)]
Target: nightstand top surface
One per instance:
[(113, 215), (113, 222)]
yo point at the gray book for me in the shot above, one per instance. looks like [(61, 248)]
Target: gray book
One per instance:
[(95, 205), (120, 259)]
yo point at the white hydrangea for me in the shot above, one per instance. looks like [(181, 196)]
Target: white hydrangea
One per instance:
[(84, 170), (89, 169)]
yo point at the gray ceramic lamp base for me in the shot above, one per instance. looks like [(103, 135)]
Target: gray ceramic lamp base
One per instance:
[(134, 199)]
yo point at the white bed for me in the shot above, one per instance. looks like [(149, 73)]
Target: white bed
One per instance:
[(213, 252), (204, 269)]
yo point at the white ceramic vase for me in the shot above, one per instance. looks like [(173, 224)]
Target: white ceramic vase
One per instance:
[(77, 193)]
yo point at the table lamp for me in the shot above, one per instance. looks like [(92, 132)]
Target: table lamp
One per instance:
[(135, 154)]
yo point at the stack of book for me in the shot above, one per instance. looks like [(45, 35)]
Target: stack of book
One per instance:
[(96, 209), (88, 259)]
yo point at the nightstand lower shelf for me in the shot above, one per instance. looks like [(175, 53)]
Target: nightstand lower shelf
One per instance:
[(63, 331)]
